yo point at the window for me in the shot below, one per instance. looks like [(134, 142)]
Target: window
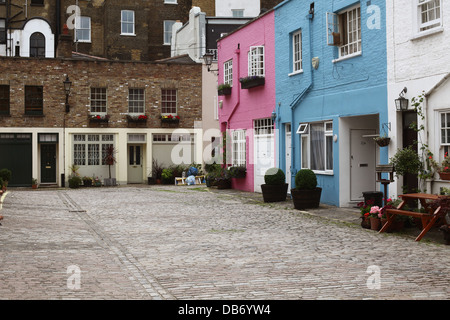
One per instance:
[(2, 31), (127, 22), (344, 31), (228, 72), (297, 52), (136, 101), (4, 99), (317, 146), (429, 14), (83, 29), (91, 149), (170, 1), (237, 13), (34, 100), (168, 31), (39, 2), (239, 148), (98, 100), (256, 61), (168, 101), (445, 128), (37, 45)]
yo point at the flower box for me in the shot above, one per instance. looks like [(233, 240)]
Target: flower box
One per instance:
[(137, 118), (252, 81), (170, 119), (99, 118), (224, 90)]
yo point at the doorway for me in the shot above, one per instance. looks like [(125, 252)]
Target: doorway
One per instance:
[(410, 181), (48, 163), (135, 168)]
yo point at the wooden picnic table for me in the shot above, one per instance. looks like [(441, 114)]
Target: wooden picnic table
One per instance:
[(435, 206)]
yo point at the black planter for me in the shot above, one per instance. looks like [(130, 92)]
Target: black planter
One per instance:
[(251, 83), (306, 199), (151, 180), (224, 92), (223, 184), (274, 193)]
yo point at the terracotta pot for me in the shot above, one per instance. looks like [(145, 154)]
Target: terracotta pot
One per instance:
[(375, 224), (365, 222), (444, 175)]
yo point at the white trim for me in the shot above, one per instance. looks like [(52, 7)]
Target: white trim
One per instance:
[(127, 22), (357, 54)]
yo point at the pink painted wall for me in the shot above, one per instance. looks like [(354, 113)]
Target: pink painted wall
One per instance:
[(245, 105)]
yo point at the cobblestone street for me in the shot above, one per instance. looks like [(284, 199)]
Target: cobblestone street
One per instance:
[(168, 242)]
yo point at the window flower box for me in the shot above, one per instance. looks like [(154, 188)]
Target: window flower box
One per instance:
[(224, 89), (170, 119), (137, 118), (252, 81), (97, 118)]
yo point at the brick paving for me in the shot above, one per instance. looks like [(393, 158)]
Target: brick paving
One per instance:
[(168, 243)]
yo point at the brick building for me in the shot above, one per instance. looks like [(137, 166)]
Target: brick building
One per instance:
[(108, 99)]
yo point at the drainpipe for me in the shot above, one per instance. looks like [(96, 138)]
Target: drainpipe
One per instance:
[(298, 100)]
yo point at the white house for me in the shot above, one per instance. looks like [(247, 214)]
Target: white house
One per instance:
[(418, 42)]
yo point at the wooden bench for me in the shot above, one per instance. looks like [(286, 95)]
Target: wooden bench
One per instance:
[(182, 181), (435, 206)]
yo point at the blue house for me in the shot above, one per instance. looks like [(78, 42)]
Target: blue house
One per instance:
[(331, 94)]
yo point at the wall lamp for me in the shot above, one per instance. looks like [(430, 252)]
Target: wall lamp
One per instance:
[(67, 85), (208, 58), (402, 103)]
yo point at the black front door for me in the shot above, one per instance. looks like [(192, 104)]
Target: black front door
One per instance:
[(410, 181), (48, 163)]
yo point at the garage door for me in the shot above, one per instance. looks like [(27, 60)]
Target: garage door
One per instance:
[(16, 155), (264, 153), (170, 149)]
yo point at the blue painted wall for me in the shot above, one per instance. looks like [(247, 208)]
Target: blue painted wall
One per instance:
[(351, 87)]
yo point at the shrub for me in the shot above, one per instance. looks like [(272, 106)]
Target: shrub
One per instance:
[(75, 182), (275, 176), (305, 179), (238, 172), (167, 176), (5, 174), (406, 161)]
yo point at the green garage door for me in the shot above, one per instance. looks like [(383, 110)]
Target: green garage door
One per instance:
[(16, 155)]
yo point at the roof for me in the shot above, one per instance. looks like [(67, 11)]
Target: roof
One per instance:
[(181, 59)]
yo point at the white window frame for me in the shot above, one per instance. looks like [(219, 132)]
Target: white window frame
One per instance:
[(306, 146), (228, 72), (170, 2), (78, 23), (444, 131), (297, 54), (431, 25), (168, 24), (90, 149), (98, 101), (239, 145), (122, 22), (256, 61), (237, 13), (136, 101), (165, 101)]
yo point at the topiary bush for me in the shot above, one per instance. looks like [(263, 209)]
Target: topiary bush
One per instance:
[(305, 179), (5, 174), (75, 182), (275, 176)]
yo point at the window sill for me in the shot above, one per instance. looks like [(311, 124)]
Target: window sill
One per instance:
[(128, 34), (83, 41), (427, 33), (295, 73), (33, 115), (349, 56), (324, 173)]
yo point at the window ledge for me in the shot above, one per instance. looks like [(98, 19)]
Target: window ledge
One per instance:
[(349, 56), (128, 34), (33, 115), (324, 173), (427, 33), (295, 73)]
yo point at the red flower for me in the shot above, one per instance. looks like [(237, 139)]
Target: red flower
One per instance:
[(170, 116), (178, 117), (98, 117)]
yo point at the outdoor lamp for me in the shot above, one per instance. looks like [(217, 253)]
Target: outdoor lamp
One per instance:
[(208, 58), (67, 84), (402, 103)]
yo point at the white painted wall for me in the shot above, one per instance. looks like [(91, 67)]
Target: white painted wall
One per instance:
[(251, 8), (416, 61)]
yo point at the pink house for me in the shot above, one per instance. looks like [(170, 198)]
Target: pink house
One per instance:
[(246, 62)]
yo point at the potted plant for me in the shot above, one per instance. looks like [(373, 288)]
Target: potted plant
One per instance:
[(167, 176), (74, 182), (211, 175), (5, 174), (364, 208), (224, 89), (406, 161), (275, 187), (223, 179), (444, 168), (34, 183), (252, 81), (110, 159), (238, 171), (156, 171), (87, 181), (137, 118), (306, 194), (99, 117), (382, 141), (375, 218), (170, 118)]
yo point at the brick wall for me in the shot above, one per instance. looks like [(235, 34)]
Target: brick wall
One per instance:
[(116, 76)]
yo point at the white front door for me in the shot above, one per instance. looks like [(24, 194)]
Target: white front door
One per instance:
[(135, 169), (362, 163), (288, 155), (264, 158)]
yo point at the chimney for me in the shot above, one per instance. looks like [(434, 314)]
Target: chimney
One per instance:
[(65, 43)]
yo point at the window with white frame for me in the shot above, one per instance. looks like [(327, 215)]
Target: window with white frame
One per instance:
[(127, 22), (256, 61), (445, 128), (317, 146), (136, 101), (237, 13), (2, 31), (170, 1), (169, 101), (344, 31), (429, 14), (91, 149), (297, 51), (168, 31), (98, 100), (82, 29), (228, 72), (239, 148)]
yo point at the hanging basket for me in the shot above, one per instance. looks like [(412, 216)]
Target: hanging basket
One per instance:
[(382, 141)]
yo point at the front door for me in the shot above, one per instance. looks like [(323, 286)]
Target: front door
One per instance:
[(264, 158), (362, 163), (135, 164), (288, 155), (48, 163)]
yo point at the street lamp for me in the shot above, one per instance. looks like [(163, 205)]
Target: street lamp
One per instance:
[(208, 58), (67, 85), (402, 103)]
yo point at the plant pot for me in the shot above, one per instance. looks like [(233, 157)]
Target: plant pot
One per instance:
[(446, 231), (375, 223), (306, 199), (87, 183), (251, 83), (444, 175), (34, 186), (109, 181), (383, 142), (224, 92), (151, 180), (365, 222), (274, 193), (223, 184)]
